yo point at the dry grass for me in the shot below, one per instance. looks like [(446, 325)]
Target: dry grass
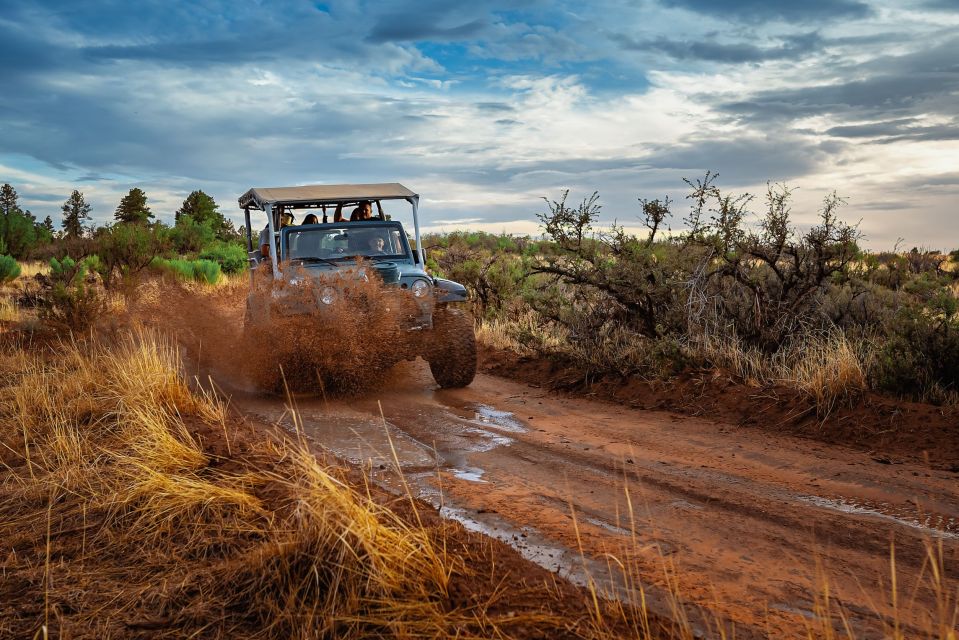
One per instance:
[(103, 443), (9, 312), (522, 334), (32, 268), (828, 368)]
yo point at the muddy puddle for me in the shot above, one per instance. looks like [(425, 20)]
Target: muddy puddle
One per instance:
[(935, 525)]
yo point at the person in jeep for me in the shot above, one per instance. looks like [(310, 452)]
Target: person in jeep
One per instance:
[(376, 244), (362, 212), (286, 219)]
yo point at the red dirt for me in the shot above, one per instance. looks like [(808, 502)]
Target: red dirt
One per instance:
[(890, 429)]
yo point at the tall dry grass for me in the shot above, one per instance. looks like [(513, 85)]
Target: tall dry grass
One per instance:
[(101, 449), (829, 368), (9, 311)]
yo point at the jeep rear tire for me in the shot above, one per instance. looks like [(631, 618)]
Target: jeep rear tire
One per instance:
[(452, 356)]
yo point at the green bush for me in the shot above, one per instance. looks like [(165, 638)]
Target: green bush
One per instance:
[(127, 249), (9, 269), (189, 270), (206, 271), (70, 299), (231, 257), (920, 358)]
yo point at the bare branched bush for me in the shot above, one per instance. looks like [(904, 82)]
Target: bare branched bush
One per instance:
[(768, 281)]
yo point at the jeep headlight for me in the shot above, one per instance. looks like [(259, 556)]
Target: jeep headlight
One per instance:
[(296, 281), (327, 295), (420, 288)]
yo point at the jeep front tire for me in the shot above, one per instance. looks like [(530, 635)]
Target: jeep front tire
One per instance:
[(452, 355)]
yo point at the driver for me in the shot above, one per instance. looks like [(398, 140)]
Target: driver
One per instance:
[(376, 245)]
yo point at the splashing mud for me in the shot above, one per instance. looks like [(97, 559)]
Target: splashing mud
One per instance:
[(286, 337)]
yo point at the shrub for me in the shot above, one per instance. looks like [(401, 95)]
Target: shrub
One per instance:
[(128, 249), (768, 283), (9, 269), (189, 236), (921, 355), (231, 257), (189, 270), (206, 271), (70, 299)]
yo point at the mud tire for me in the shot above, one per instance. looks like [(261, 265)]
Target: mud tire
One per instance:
[(453, 355)]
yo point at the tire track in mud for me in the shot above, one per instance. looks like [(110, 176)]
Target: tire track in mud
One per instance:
[(740, 515)]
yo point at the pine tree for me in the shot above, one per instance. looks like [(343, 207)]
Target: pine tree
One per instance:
[(133, 207), (48, 225), (8, 209), (75, 212), (203, 210)]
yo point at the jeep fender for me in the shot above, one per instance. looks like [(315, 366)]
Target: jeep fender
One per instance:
[(449, 291)]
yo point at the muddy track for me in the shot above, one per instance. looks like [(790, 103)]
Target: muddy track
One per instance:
[(739, 518)]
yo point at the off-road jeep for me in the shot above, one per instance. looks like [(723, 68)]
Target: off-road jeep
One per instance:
[(327, 257)]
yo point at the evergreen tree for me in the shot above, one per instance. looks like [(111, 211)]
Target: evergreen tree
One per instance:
[(48, 225), (204, 211), (17, 228), (75, 212), (8, 209), (133, 207)]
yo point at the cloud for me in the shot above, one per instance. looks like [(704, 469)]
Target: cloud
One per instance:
[(890, 131), (761, 10), (922, 82), (793, 48), (407, 29)]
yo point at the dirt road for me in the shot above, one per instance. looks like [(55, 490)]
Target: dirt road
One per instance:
[(739, 517)]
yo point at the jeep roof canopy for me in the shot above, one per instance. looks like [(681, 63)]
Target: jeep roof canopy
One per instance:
[(320, 194), (276, 199)]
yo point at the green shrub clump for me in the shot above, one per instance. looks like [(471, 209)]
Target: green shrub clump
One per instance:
[(71, 298), (231, 256), (205, 271), (9, 269)]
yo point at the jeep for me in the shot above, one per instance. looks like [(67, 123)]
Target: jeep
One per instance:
[(326, 257)]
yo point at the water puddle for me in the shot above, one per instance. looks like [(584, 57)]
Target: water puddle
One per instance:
[(470, 474), (612, 528), (503, 420), (933, 524)]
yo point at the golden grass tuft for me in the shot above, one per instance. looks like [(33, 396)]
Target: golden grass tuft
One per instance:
[(104, 441), (9, 312)]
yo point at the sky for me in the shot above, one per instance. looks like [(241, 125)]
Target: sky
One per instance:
[(485, 108)]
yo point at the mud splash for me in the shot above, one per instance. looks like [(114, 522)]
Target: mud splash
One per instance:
[(305, 345)]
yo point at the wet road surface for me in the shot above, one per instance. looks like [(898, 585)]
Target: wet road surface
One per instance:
[(734, 520)]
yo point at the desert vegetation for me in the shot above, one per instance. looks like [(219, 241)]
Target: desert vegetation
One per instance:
[(749, 293)]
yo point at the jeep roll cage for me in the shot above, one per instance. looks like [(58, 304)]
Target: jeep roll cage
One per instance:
[(275, 200)]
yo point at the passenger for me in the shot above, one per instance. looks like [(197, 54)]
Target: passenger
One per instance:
[(376, 245), (338, 214), (311, 219), (286, 219), (363, 212)]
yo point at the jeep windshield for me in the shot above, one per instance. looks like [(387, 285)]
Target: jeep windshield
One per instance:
[(328, 243)]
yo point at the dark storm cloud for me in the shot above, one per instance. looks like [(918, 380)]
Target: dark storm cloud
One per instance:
[(900, 86), (896, 130), (710, 50), (743, 162), (402, 28), (762, 10)]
